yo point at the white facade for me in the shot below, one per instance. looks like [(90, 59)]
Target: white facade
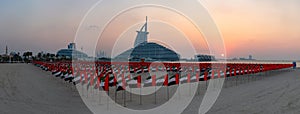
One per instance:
[(142, 36)]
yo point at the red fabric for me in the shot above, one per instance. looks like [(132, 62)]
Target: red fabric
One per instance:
[(106, 88), (197, 77), (115, 79), (139, 80), (80, 74), (166, 80), (235, 72), (154, 80), (123, 81), (212, 74), (205, 75), (188, 78), (219, 73), (129, 76), (92, 80), (177, 78), (85, 77), (98, 82), (243, 71)]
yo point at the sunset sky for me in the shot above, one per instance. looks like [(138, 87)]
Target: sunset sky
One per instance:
[(266, 29)]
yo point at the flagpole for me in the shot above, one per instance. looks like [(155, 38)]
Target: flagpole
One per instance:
[(108, 100), (124, 93), (168, 92), (179, 90), (130, 94), (155, 94), (206, 76), (100, 96), (248, 75), (236, 77), (87, 92), (190, 88), (140, 95), (115, 93)]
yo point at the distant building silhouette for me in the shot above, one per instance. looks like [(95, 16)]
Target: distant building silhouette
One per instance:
[(202, 57), (250, 57), (71, 52)]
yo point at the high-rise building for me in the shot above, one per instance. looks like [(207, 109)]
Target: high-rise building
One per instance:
[(148, 51), (142, 36)]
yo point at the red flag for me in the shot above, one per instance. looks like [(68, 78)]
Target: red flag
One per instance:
[(235, 72), (177, 78), (106, 84), (139, 80), (205, 75), (115, 79), (166, 80), (98, 82), (80, 74), (123, 81), (193, 69), (249, 71), (188, 78), (197, 77), (97, 71), (154, 80), (219, 73), (212, 74), (85, 77), (72, 71), (92, 79), (129, 76), (242, 71)]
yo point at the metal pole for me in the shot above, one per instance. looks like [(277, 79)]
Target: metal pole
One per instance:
[(108, 100), (140, 95), (124, 93), (116, 95), (130, 95), (168, 92), (155, 94), (236, 80), (99, 97), (190, 88)]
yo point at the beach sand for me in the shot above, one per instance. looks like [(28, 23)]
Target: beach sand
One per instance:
[(25, 89), (31, 90), (278, 92)]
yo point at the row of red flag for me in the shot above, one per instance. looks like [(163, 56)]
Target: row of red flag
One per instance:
[(107, 74)]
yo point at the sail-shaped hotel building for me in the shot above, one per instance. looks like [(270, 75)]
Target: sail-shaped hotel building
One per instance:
[(148, 51)]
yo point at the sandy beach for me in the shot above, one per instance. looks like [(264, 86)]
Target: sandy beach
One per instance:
[(278, 92), (25, 89)]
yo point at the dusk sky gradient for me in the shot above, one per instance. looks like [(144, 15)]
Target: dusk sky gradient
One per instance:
[(266, 29)]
